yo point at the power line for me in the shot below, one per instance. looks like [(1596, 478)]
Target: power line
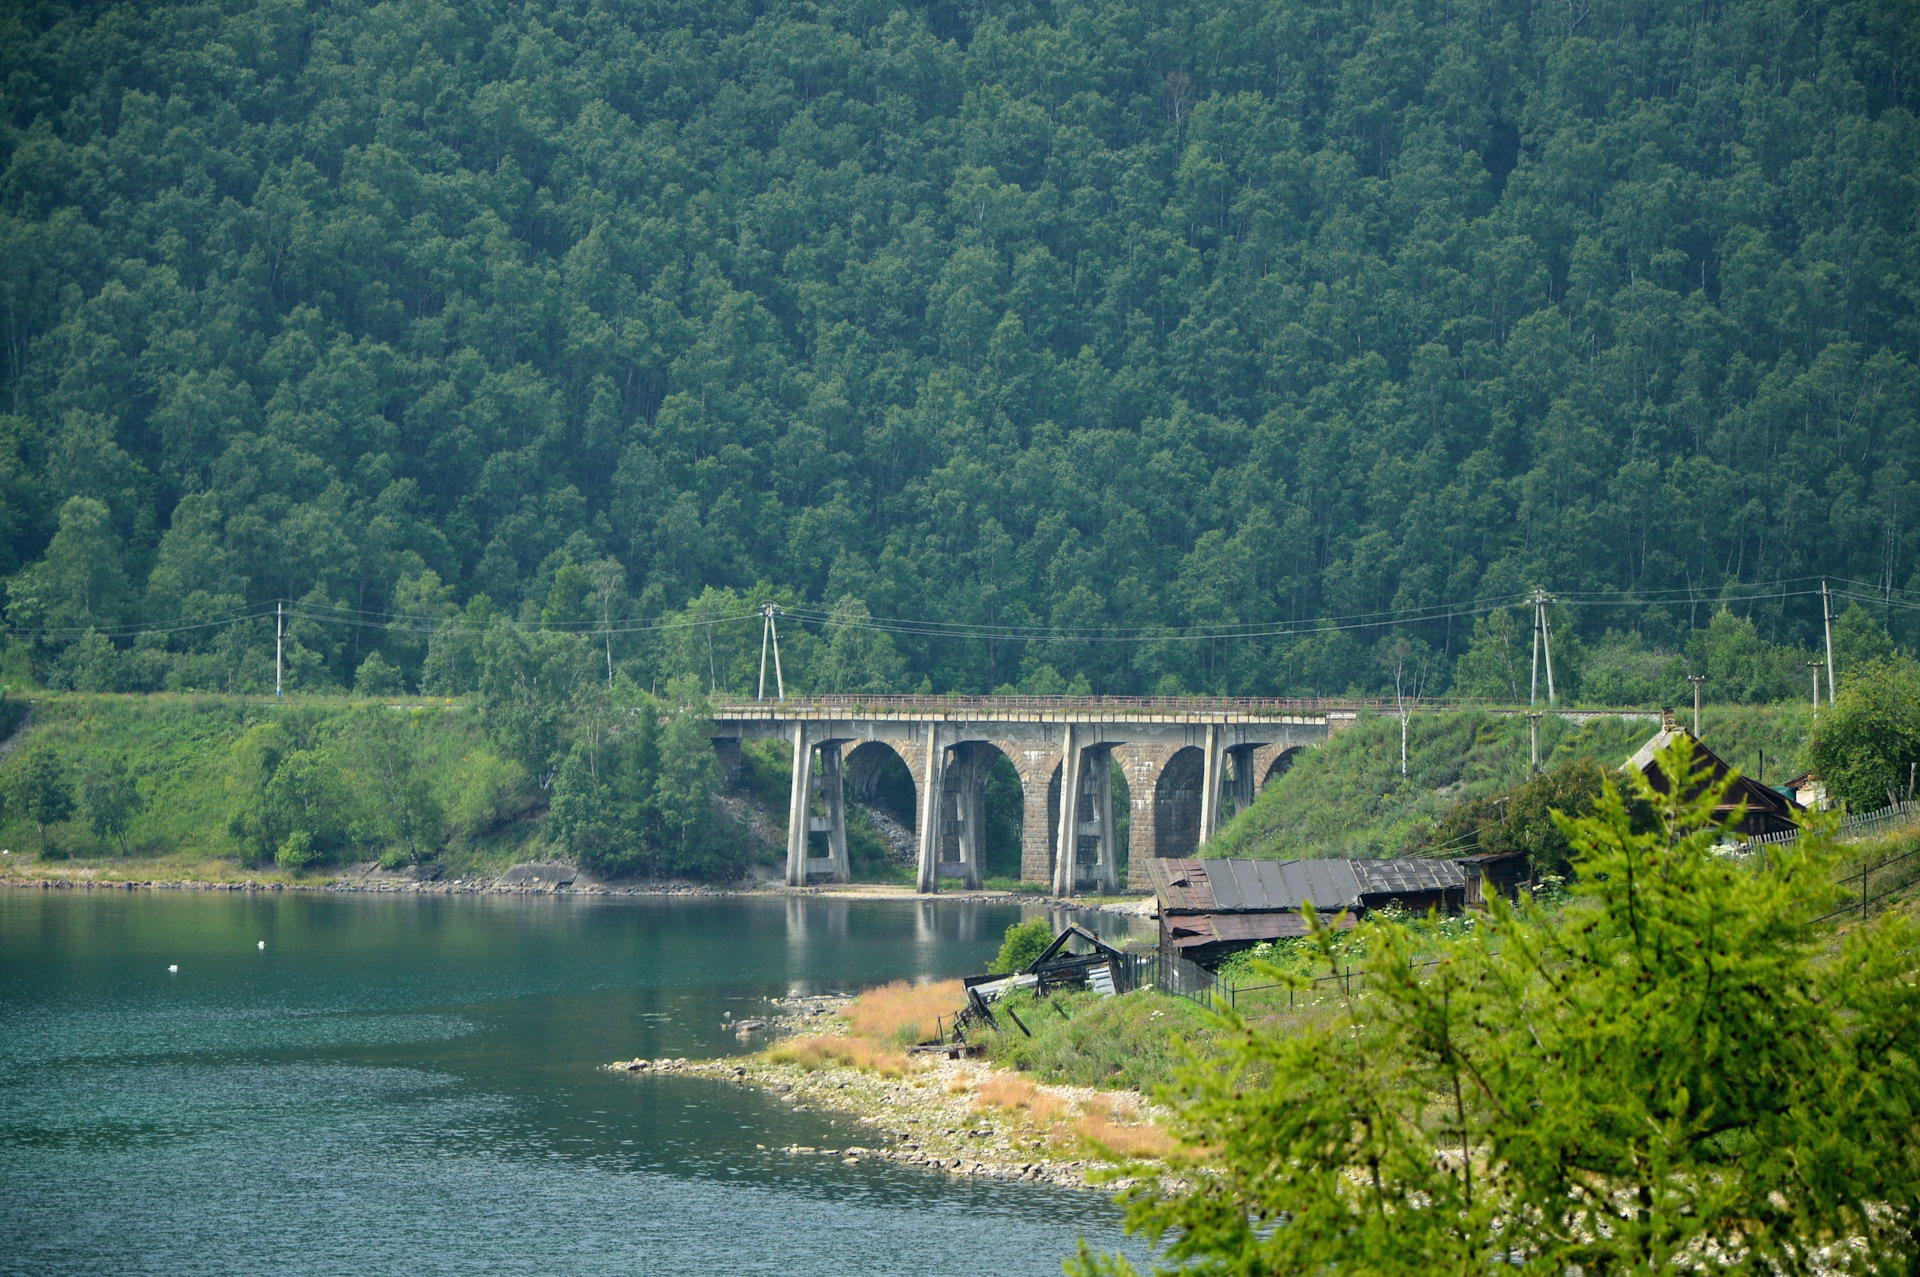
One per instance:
[(341, 614)]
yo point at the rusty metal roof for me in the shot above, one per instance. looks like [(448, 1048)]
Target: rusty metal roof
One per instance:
[(1407, 875), (1195, 930), (1264, 886)]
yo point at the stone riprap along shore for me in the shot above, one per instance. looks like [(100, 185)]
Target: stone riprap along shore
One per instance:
[(956, 1117)]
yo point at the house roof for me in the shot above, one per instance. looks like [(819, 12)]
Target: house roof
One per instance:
[(1282, 886), (1761, 799), (1199, 930), (1643, 757)]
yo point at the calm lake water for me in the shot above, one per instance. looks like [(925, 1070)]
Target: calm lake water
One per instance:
[(413, 1085)]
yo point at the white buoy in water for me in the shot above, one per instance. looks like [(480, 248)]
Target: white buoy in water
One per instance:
[(173, 970), (263, 944)]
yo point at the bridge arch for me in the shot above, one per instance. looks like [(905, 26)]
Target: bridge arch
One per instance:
[(1176, 803), (1279, 764), (878, 776)]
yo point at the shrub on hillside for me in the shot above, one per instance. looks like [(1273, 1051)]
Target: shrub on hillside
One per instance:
[(1522, 818)]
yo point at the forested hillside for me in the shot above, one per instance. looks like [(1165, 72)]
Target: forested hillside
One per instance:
[(1127, 315)]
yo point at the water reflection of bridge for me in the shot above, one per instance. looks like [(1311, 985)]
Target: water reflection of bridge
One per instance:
[(1181, 762)]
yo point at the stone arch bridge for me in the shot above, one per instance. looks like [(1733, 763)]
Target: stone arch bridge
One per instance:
[(1181, 759)]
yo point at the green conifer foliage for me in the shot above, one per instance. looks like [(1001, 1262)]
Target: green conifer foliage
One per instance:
[(1682, 1066)]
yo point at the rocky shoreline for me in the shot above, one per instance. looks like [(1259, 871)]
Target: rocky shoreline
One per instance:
[(399, 884), (931, 1118)]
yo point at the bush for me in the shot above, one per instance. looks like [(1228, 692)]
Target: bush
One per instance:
[(1024, 942), (1865, 746), (37, 786), (1522, 818), (297, 852)]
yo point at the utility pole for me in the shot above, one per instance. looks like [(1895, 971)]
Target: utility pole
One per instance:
[(1533, 742), (1542, 598), (1542, 644), (771, 630), (279, 612), (1533, 688), (1815, 667), (1696, 680), (1826, 621), (766, 620)]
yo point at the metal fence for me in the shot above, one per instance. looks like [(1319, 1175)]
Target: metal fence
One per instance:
[(1876, 880), (1178, 977)]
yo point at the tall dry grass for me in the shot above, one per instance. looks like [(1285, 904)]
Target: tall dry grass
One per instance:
[(813, 1053), (901, 1014), (1124, 1141), (1015, 1094)]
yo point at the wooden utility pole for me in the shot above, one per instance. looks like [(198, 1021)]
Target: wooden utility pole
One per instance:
[(279, 612), (1826, 621), (1815, 667), (1696, 680)]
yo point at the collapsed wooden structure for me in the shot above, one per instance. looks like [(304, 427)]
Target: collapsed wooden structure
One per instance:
[(1100, 967)]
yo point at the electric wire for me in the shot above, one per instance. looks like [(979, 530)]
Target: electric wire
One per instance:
[(1841, 589)]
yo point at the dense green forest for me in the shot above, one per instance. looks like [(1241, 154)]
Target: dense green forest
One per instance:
[(1042, 318)]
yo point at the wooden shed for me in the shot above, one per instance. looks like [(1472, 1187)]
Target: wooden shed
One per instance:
[(1211, 908), (1495, 873)]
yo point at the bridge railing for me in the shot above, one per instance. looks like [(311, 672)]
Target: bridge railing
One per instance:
[(855, 705)]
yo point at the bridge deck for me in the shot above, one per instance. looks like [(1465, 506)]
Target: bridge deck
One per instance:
[(1101, 709)]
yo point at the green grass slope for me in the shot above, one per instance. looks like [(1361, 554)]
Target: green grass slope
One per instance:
[(1348, 798), (180, 750)]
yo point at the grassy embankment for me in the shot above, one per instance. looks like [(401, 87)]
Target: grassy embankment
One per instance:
[(181, 751), (1348, 798)]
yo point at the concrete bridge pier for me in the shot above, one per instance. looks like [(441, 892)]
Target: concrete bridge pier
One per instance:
[(833, 785), (1067, 834), (802, 865), (1242, 786), (1086, 810), (933, 787), (799, 816), (1211, 765), (1106, 874)]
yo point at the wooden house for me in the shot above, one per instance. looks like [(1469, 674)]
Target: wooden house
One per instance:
[(1767, 810)]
